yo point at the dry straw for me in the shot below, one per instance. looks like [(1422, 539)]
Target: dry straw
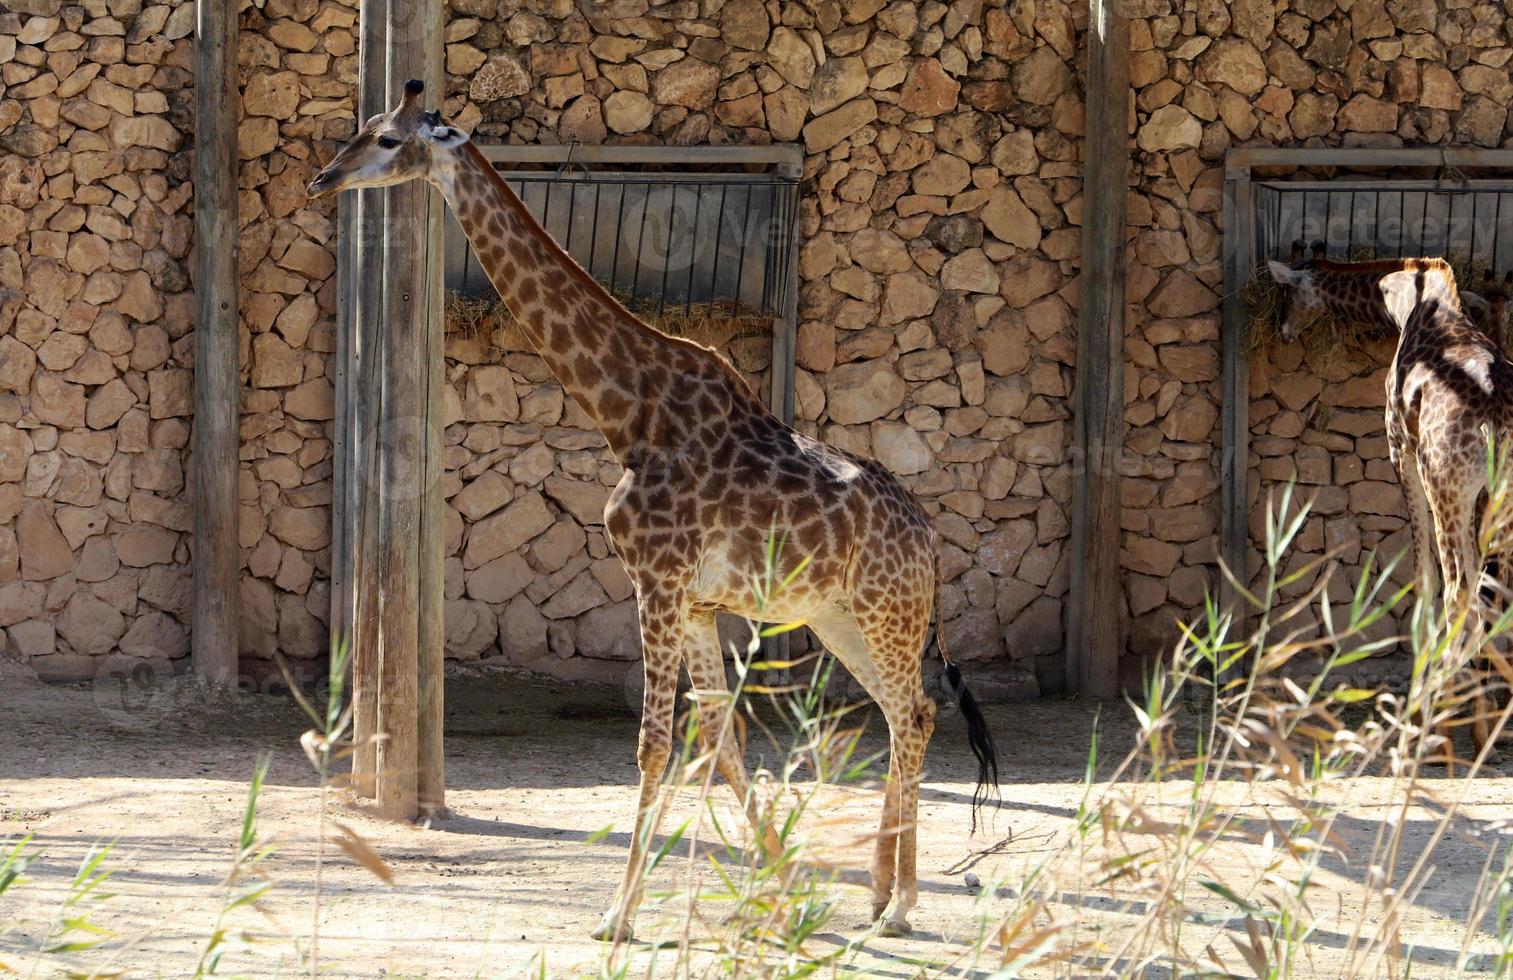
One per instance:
[(711, 324)]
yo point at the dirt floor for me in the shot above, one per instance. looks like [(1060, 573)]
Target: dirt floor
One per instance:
[(510, 876)]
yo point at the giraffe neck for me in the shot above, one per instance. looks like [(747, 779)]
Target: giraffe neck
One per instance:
[(613, 365), (1355, 297), (1352, 291)]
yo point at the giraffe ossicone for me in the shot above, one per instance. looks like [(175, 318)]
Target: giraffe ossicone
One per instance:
[(710, 476)]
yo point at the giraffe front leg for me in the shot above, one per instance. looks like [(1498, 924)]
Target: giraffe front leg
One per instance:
[(885, 850), (661, 640)]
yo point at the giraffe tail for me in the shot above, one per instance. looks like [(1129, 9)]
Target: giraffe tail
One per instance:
[(979, 736)]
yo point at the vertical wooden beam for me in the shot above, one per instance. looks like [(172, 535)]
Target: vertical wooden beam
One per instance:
[(398, 447), (343, 510), (1234, 384), (217, 385), (1094, 630), (408, 444), (362, 295), (422, 60)]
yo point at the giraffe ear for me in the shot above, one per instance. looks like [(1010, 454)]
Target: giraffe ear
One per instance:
[(1400, 293), (1282, 273), (447, 136)]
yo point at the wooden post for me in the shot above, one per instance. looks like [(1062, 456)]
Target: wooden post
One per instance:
[(1095, 638), (1234, 386), (389, 507), (217, 385), (413, 298), (359, 402)]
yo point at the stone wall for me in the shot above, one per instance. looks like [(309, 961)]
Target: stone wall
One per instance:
[(96, 320), (940, 230), (1317, 419), (298, 68)]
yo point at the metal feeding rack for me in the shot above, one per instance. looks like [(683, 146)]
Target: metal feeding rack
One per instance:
[(669, 226), (1387, 218)]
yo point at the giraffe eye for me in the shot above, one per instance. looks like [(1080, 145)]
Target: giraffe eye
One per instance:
[(388, 142)]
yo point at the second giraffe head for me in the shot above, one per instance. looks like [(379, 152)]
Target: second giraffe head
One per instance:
[(393, 147)]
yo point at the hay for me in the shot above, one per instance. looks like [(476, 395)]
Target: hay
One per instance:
[(1265, 303), (711, 324)]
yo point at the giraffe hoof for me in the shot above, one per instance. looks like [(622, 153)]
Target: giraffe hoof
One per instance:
[(608, 929), (895, 927)]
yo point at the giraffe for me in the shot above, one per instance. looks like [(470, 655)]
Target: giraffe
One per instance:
[(1448, 380), (709, 475)]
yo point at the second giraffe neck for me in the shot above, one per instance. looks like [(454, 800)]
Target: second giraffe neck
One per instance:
[(616, 368)]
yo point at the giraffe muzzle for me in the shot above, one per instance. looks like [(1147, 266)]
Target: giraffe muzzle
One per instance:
[(321, 185)]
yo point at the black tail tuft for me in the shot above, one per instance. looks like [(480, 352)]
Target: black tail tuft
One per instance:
[(981, 740)]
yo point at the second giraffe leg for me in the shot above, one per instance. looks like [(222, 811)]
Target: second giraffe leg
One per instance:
[(1421, 525), (706, 671), (842, 637), (1455, 482)]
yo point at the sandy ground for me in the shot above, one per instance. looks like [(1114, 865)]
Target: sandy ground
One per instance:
[(509, 877)]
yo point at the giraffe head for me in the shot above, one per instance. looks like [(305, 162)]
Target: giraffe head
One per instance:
[(1302, 300), (406, 143)]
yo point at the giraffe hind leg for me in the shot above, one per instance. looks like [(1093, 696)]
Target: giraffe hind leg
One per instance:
[(1455, 481), (882, 647), (1421, 525)]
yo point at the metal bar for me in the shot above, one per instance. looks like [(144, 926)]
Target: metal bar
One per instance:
[(1350, 232), (778, 154), (215, 612), (740, 266), (1497, 233), (761, 287), (1402, 204), (1329, 224), (785, 328), (698, 200), (1459, 157), (719, 233), (546, 210), (667, 250), (635, 286), (614, 260), (1377, 186), (593, 233)]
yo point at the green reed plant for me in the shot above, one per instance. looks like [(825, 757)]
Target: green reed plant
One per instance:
[(1253, 717)]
